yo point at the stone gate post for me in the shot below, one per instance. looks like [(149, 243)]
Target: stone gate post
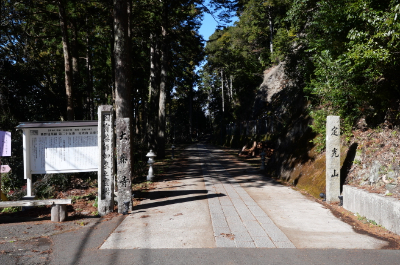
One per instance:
[(332, 158), (124, 165), (106, 159)]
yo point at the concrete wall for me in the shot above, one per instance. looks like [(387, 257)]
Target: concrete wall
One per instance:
[(382, 209)]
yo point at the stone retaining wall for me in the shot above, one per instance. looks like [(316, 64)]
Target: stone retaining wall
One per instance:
[(382, 209)]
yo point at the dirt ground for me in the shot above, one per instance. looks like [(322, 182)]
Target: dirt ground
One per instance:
[(83, 201)]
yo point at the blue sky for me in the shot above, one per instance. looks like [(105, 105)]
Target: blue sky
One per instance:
[(208, 26)]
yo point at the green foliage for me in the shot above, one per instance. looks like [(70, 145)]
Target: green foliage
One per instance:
[(49, 184), (10, 209), (9, 183), (364, 220), (327, 88), (345, 53), (32, 85), (96, 203), (88, 197), (319, 127), (16, 195), (282, 43), (231, 58), (11, 186), (237, 56), (80, 223), (351, 49)]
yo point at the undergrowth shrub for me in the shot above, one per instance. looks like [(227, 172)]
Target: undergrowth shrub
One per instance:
[(10, 182), (319, 127), (49, 184), (16, 195)]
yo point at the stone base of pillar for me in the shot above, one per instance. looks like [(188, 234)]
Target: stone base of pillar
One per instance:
[(58, 212)]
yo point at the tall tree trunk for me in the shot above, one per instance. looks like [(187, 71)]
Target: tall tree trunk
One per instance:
[(223, 106), (112, 55), (133, 94), (123, 110), (228, 90), (154, 88), (231, 87), (144, 110), (67, 60), (122, 60), (131, 90), (89, 76), (222, 87), (271, 28), (136, 117), (163, 83), (76, 80), (171, 119), (190, 111)]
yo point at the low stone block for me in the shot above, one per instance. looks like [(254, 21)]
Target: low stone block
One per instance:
[(382, 209), (58, 212)]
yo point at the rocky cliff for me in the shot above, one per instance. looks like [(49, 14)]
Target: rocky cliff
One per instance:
[(284, 104), (370, 159)]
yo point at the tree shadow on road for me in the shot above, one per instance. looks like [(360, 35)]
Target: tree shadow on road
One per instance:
[(178, 200)]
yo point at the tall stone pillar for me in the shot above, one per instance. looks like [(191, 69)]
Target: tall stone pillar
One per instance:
[(106, 160), (124, 165), (332, 158)]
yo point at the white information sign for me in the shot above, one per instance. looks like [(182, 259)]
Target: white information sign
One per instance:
[(63, 149)]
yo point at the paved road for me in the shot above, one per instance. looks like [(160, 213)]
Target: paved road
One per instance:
[(236, 213), (218, 204), (219, 211)]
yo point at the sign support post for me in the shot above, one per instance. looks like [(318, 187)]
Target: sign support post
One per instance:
[(27, 171)]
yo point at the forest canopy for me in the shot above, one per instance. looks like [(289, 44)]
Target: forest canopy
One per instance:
[(57, 61), (344, 55)]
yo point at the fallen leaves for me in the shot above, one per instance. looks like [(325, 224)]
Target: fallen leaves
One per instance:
[(230, 236)]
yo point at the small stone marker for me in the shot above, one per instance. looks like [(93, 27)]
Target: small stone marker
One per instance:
[(106, 165), (332, 158), (124, 169)]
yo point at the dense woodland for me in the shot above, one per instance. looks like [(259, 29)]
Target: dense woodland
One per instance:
[(61, 59)]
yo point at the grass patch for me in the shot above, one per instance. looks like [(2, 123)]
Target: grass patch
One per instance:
[(11, 209), (364, 220)]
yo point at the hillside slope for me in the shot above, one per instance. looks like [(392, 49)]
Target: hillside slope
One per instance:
[(370, 159)]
